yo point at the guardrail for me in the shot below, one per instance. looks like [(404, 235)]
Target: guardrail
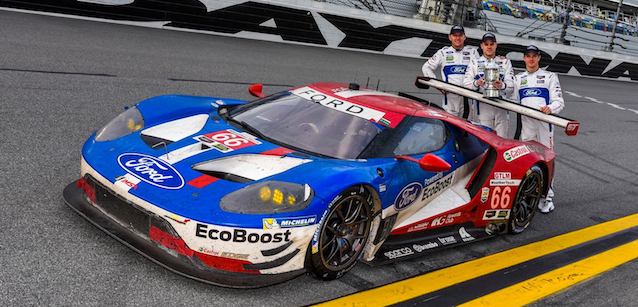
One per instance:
[(328, 25)]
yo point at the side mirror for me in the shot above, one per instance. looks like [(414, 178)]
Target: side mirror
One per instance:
[(429, 162), (256, 90)]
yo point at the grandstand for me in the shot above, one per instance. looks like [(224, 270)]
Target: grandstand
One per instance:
[(590, 22)]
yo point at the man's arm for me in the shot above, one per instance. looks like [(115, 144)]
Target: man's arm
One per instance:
[(556, 101), (432, 64), (508, 78), (470, 75)]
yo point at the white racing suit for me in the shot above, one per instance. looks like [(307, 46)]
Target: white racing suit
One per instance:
[(485, 114), (453, 64), (537, 89)]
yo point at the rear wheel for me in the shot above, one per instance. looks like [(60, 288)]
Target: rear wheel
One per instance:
[(343, 234), (527, 198)]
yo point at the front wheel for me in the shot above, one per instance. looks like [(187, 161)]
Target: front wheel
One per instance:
[(527, 198), (342, 234)]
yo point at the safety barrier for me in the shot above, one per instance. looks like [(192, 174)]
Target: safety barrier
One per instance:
[(328, 25)]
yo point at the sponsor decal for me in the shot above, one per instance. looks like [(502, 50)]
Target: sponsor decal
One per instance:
[(502, 214), (449, 52), (127, 182), (515, 153), (209, 251), (531, 92), (465, 236), (382, 187), (485, 193), (240, 235), (177, 219), (227, 140), (447, 240), (504, 182), (338, 104), (419, 226), (502, 175), (458, 69), (445, 220), (467, 58), (277, 223), (234, 255), (523, 81), (430, 245), (434, 189), (449, 58), (151, 170), (408, 195), (433, 179), (540, 77), (398, 253), (540, 82), (466, 53)]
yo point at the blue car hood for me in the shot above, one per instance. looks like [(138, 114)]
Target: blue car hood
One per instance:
[(177, 187)]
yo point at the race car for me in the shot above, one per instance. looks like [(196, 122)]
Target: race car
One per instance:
[(312, 179)]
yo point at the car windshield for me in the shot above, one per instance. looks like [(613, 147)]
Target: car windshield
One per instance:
[(302, 124)]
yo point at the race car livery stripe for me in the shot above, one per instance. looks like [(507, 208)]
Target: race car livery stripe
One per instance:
[(202, 181), (543, 285), (417, 286), (279, 151), (338, 104)]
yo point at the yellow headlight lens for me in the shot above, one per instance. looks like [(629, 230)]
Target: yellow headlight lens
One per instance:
[(265, 193), (132, 126), (277, 197), (291, 199)]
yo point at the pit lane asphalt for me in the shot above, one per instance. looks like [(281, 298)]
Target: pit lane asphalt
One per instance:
[(62, 79)]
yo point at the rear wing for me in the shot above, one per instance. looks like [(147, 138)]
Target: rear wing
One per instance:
[(571, 126)]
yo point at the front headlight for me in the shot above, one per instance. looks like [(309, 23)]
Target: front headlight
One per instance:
[(127, 122), (268, 197)]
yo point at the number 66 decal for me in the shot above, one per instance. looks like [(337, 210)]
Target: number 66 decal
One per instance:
[(500, 197)]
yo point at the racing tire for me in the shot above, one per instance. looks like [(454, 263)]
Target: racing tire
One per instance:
[(527, 198), (342, 235)]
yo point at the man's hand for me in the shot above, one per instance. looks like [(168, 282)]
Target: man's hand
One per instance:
[(546, 110), (499, 84), (480, 82), (443, 91)]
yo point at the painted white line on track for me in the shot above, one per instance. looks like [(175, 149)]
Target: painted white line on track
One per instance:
[(573, 94), (632, 110), (613, 105), (594, 100)]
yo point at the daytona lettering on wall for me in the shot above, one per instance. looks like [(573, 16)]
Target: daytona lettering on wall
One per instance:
[(302, 26)]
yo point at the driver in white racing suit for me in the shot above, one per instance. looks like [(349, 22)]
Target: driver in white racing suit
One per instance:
[(538, 89), (485, 114), (453, 61)]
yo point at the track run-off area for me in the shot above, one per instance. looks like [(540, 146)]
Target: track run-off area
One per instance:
[(61, 79)]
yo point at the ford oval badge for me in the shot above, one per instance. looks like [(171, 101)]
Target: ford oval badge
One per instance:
[(151, 170)]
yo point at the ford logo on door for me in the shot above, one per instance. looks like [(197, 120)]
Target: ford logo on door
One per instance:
[(151, 170), (532, 92), (408, 195)]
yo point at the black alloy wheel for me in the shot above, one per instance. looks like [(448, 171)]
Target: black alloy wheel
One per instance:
[(343, 233), (527, 198)]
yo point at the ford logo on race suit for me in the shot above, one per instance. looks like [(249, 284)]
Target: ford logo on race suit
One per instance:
[(532, 92), (151, 170), (458, 69), (408, 195)]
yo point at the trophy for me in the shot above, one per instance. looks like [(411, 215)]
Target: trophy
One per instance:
[(491, 73)]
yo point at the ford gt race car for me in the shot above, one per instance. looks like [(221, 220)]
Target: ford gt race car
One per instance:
[(247, 194)]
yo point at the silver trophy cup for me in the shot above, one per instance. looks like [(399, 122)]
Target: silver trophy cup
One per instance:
[(491, 73)]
